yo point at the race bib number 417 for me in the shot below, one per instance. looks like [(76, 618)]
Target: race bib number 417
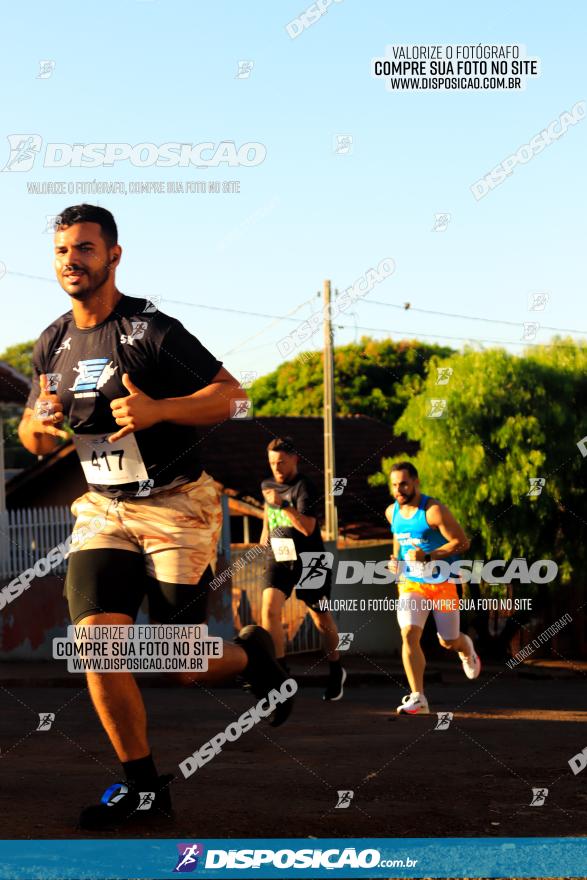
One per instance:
[(110, 464)]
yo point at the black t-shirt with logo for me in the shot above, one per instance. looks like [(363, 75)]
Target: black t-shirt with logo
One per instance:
[(302, 495), (85, 368)]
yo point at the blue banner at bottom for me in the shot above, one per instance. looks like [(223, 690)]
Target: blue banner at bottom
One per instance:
[(282, 857)]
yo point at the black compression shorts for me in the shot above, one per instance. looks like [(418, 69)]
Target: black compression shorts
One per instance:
[(285, 575), (115, 581)]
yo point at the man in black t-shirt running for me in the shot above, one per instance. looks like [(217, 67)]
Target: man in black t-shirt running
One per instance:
[(132, 385), (290, 528)]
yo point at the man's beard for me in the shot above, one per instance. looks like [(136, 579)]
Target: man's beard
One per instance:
[(94, 284)]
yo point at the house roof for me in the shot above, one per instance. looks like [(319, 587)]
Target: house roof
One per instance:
[(238, 458), (235, 455), (14, 387)]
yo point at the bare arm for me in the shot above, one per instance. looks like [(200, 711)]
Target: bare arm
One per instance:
[(34, 436), (208, 406), (40, 436), (264, 539), (389, 517), (394, 554), (440, 517), (300, 521)]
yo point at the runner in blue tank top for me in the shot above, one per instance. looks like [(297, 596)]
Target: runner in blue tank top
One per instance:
[(424, 530)]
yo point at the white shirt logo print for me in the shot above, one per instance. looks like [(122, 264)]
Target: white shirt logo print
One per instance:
[(138, 331), (109, 371), (65, 346), (92, 375)]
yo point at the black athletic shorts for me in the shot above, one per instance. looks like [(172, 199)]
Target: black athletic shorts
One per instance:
[(285, 575), (116, 581)]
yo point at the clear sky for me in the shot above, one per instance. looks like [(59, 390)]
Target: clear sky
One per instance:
[(156, 71)]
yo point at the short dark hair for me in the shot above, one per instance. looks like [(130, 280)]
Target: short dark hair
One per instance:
[(405, 466), (282, 444), (90, 214)]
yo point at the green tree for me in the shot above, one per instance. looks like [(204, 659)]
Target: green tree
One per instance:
[(20, 357), (374, 378), (508, 420)]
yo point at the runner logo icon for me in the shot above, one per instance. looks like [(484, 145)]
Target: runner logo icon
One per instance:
[(91, 376), (316, 565), (344, 799), (344, 641), (46, 719), (147, 799), (65, 345), (23, 151), (539, 796), (444, 719), (188, 855), (138, 331), (145, 487), (338, 485), (53, 380)]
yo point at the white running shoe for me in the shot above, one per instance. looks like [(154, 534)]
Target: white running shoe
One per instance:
[(472, 663), (414, 704)]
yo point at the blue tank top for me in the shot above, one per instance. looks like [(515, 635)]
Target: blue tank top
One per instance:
[(414, 533)]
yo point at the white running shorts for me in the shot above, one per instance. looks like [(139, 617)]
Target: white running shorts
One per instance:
[(414, 609)]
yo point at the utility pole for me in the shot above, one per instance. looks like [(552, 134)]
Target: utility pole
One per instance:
[(2, 469), (329, 412)]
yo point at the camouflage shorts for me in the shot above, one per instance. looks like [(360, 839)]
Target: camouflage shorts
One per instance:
[(177, 532)]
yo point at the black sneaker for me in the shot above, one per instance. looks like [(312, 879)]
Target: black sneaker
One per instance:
[(123, 801), (263, 673), (335, 687)]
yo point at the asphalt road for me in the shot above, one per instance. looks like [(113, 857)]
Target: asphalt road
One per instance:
[(508, 735)]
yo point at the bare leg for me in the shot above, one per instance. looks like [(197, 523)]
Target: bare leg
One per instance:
[(232, 662), (118, 701), (271, 614), (459, 644), (324, 623), (413, 657)]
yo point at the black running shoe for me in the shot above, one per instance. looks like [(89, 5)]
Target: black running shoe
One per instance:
[(335, 687), (123, 801), (263, 673)]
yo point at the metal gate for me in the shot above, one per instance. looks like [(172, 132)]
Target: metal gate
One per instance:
[(247, 589), (28, 535)]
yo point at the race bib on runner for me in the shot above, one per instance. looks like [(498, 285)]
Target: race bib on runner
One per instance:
[(419, 569), (284, 549), (110, 464)]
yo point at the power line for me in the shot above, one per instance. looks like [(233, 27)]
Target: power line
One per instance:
[(416, 333), (178, 302), (33, 277), (444, 336), (358, 327), (409, 308), (266, 328), (390, 332)]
